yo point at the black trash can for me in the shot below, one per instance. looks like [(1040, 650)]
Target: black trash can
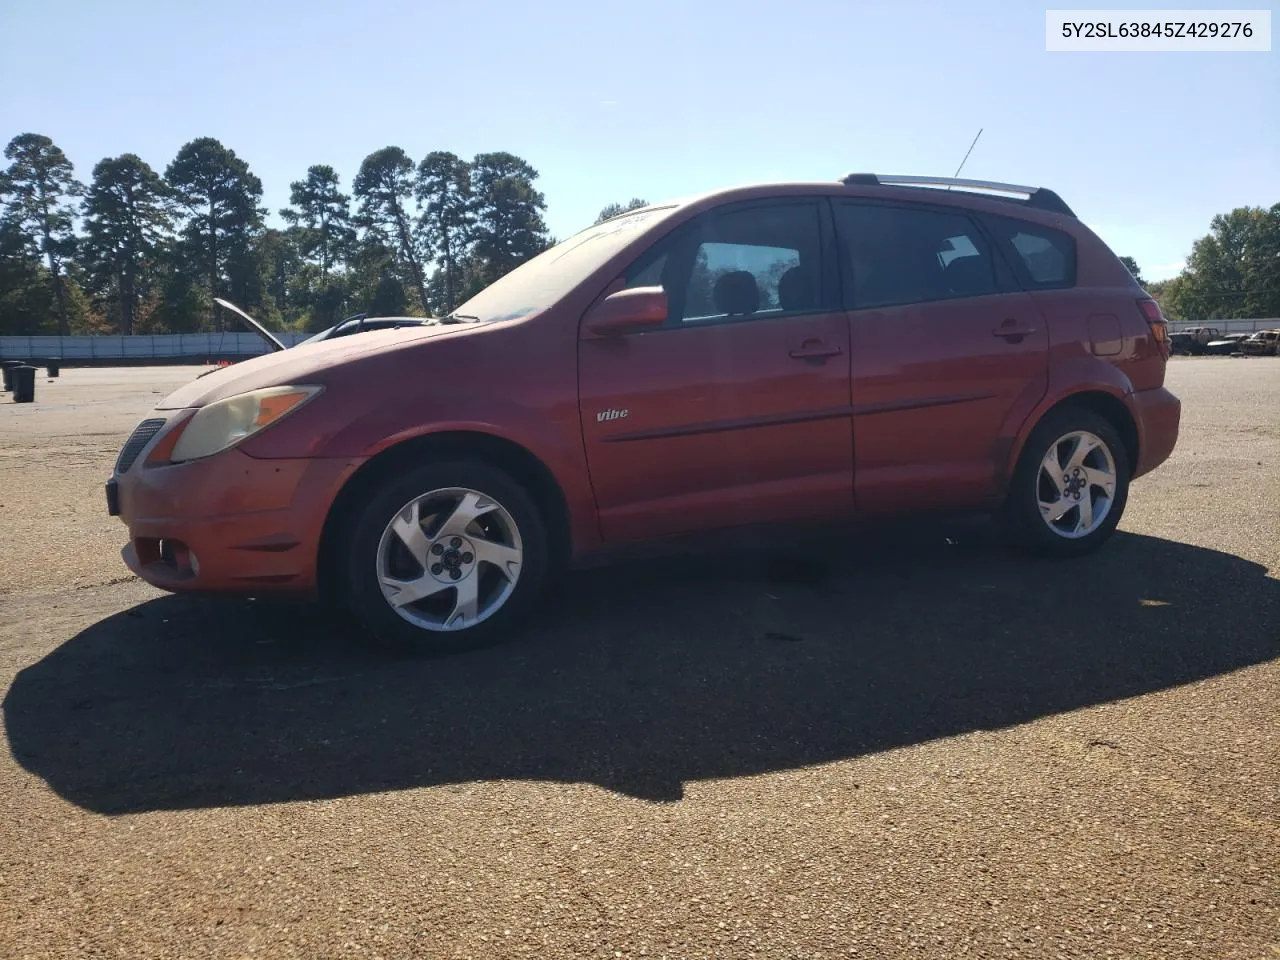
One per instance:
[(24, 384), (53, 366), (7, 367)]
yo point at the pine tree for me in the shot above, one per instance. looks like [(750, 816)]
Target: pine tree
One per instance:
[(321, 214), (38, 190), (127, 217), (385, 188), (617, 209), (509, 228), (444, 190), (219, 196)]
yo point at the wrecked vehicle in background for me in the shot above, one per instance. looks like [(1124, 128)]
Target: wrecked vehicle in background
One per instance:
[(1264, 343), (1199, 338), (1194, 341), (360, 323), (356, 324), (1226, 346)]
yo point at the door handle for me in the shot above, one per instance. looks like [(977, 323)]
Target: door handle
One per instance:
[(815, 350), (1013, 330)]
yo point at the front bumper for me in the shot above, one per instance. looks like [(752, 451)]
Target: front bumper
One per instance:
[(1158, 414), (228, 523)]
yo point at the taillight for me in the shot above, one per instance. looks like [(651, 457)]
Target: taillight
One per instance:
[(1155, 320)]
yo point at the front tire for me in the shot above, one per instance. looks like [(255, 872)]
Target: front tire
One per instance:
[(1071, 485), (443, 558)]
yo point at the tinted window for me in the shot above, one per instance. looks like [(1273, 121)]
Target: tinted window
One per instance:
[(749, 262), (896, 255), (1043, 257), (649, 273)]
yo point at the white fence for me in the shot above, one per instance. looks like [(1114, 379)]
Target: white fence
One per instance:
[(237, 345), (199, 347), (1227, 326)]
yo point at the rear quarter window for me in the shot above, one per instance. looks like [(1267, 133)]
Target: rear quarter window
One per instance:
[(1043, 258)]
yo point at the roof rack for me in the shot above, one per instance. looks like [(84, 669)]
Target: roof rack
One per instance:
[(1041, 198)]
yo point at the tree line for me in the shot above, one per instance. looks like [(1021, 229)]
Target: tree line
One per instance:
[(139, 251), (1233, 271)]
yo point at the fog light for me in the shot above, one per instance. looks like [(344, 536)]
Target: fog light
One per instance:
[(176, 554), (147, 549)]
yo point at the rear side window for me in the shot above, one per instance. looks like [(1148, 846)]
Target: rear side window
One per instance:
[(900, 255), (1044, 258)]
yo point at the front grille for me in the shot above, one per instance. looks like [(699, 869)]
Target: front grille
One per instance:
[(140, 437)]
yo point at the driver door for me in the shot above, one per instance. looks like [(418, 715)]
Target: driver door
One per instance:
[(738, 410)]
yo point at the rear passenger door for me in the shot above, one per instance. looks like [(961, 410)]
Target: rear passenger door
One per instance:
[(949, 355)]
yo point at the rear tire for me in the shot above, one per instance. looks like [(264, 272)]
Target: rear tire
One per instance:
[(443, 558), (1071, 511)]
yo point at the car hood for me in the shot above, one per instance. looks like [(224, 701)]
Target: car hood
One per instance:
[(301, 364)]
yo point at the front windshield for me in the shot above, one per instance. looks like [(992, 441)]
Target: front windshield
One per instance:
[(546, 278)]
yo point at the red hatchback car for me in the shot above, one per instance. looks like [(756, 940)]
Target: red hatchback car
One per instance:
[(774, 353)]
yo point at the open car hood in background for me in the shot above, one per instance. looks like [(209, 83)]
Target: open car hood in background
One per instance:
[(257, 327)]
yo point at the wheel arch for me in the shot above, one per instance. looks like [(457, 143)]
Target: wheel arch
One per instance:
[(507, 455), (1105, 404)]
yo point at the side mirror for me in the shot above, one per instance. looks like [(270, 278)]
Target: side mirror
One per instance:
[(628, 311)]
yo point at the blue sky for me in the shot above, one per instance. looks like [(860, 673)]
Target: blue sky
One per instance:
[(659, 99)]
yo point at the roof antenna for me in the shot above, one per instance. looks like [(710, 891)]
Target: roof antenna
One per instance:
[(966, 155)]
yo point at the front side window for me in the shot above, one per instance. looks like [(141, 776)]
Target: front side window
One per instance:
[(749, 262), (900, 255)]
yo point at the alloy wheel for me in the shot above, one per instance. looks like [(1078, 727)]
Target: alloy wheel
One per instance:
[(449, 559), (1076, 484)]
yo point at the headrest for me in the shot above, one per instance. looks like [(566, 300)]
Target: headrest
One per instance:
[(736, 293), (796, 290)]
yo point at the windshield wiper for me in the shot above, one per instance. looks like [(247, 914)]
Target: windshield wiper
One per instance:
[(460, 318)]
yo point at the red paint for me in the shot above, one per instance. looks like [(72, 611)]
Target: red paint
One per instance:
[(244, 519), (936, 387), (723, 424), (651, 432)]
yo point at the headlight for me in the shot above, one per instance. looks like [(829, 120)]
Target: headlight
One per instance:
[(225, 423)]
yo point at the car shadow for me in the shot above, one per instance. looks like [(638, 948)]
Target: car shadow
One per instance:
[(639, 678)]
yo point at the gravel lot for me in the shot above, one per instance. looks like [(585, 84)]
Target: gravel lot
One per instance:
[(923, 747)]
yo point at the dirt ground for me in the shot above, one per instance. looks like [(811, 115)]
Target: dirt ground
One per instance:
[(919, 745)]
